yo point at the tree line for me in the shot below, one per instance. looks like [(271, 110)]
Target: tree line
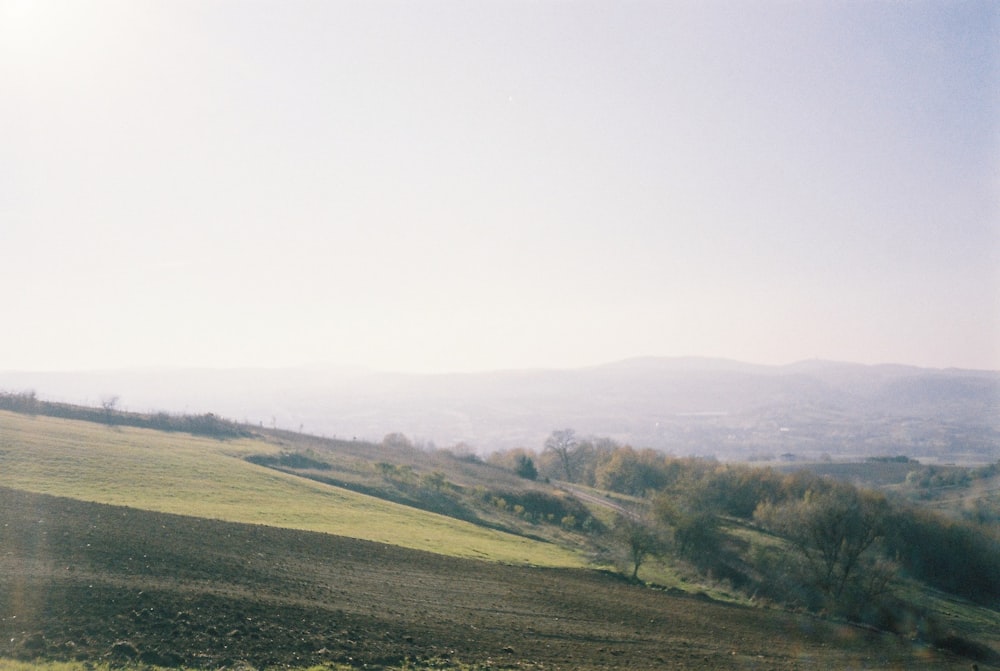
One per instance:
[(207, 424), (834, 547)]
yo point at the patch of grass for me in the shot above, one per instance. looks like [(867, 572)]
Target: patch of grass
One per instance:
[(204, 477), (14, 665), (439, 665), (953, 614)]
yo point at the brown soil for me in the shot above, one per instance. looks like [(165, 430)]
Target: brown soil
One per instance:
[(95, 582)]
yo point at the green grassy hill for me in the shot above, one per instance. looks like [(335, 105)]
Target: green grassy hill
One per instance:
[(205, 477), (405, 500)]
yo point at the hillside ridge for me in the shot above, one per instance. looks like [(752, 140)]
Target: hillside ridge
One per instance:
[(834, 408)]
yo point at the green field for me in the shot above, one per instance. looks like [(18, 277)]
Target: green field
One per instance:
[(12, 665), (204, 477)]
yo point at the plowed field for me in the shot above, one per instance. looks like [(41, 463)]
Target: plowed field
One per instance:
[(96, 582)]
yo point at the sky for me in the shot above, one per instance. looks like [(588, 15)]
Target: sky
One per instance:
[(454, 186)]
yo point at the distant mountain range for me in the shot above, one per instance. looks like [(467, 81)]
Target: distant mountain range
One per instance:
[(685, 406)]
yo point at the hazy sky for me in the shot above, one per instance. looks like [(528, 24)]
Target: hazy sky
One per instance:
[(461, 185)]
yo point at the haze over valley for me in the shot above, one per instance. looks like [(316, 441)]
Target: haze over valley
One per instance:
[(683, 406)]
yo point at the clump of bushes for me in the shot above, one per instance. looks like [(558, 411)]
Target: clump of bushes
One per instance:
[(295, 460), (543, 507), (960, 557), (834, 547)]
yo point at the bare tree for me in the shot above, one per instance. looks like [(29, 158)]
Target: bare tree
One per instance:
[(564, 445), (639, 539), (109, 404), (832, 530), (397, 441)]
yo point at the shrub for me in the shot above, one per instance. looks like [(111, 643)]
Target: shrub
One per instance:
[(543, 506), (525, 467), (289, 460)]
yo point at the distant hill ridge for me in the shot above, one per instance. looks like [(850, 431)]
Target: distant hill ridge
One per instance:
[(683, 405)]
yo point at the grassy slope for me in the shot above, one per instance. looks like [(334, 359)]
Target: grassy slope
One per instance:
[(204, 477)]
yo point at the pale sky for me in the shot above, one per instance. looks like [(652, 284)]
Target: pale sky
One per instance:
[(454, 186)]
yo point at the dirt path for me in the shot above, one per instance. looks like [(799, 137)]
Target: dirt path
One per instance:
[(597, 500)]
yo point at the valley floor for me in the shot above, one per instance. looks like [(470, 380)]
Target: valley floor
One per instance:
[(95, 582)]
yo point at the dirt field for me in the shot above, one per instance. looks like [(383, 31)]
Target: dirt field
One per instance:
[(95, 582)]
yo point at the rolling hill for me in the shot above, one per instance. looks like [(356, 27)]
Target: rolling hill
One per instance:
[(92, 582), (143, 548), (683, 406), (205, 477)]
